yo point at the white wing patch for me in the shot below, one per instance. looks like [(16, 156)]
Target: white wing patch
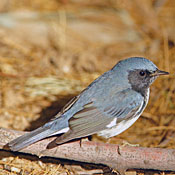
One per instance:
[(113, 123), (120, 127)]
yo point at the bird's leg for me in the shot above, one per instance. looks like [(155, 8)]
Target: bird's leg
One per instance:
[(118, 150), (85, 139)]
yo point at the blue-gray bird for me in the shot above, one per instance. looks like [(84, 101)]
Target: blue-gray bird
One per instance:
[(107, 107)]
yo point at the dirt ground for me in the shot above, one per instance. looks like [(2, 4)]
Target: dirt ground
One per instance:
[(50, 50)]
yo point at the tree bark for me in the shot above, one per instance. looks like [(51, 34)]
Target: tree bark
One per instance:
[(115, 156)]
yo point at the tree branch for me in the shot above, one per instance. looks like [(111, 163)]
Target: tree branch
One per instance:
[(115, 156)]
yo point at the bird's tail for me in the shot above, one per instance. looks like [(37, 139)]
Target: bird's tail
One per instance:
[(36, 135)]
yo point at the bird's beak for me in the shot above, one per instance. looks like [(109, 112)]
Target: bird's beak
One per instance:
[(159, 72)]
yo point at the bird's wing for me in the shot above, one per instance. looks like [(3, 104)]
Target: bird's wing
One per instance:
[(92, 119), (66, 107)]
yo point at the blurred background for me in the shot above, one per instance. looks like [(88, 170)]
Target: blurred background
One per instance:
[(50, 50)]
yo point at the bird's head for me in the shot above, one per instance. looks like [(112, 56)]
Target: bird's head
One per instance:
[(140, 72)]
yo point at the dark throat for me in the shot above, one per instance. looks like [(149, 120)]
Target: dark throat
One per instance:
[(142, 91)]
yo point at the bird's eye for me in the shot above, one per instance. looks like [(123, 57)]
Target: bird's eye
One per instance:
[(142, 73)]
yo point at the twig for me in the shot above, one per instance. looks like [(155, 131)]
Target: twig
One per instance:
[(161, 128), (115, 156)]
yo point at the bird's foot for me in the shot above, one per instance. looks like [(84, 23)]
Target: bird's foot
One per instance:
[(83, 140)]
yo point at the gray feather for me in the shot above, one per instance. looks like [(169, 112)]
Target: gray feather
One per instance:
[(29, 138), (47, 130), (93, 118)]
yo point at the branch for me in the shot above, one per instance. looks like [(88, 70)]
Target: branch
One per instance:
[(115, 156)]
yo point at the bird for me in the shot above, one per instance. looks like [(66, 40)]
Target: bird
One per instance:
[(107, 107)]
